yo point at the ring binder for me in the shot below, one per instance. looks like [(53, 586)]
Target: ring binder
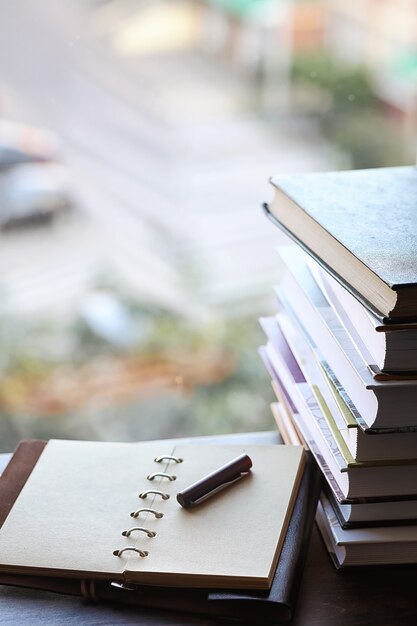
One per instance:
[(157, 514), (161, 475), (144, 494), (139, 511), (168, 457), (127, 533), (191, 551), (133, 549)]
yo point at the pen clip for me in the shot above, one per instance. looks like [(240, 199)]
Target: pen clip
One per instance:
[(123, 586), (212, 492)]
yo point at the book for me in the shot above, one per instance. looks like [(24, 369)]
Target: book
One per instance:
[(101, 484), (391, 347), (364, 444), (360, 226), (388, 513), (357, 515), (291, 425), (283, 417), (276, 604), (356, 481), (387, 545), (382, 404)]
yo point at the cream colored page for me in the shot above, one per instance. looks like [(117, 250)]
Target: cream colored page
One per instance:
[(236, 534), (71, 512)]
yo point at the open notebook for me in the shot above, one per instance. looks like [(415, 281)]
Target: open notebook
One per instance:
[(69, 517)]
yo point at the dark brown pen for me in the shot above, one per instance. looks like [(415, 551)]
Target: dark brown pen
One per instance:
[(215, 481)]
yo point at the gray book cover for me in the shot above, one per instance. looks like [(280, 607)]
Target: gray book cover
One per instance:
[(371, 213)]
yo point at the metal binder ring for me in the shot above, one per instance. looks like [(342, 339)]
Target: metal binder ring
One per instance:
[(161, 475), (144, 494), (140, 552), (127, 533), (168, 457), (139, 511)]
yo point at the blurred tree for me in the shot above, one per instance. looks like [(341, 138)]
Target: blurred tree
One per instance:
[(349, 112), (197, 378)]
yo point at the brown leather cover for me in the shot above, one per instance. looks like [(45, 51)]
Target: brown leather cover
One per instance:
[(17, 472)]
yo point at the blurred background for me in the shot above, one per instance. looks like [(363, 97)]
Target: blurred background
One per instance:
[(137, 139)]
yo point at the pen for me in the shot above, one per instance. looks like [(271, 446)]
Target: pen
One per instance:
[(215, 481)]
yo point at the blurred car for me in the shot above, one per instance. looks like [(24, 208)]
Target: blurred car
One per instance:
[(33, 192), (34, 185), (20, 143)]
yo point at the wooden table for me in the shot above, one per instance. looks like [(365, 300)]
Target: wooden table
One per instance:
[(361, 597)]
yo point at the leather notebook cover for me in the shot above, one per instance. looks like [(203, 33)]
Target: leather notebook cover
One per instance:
[(276, 604), (16, 473)]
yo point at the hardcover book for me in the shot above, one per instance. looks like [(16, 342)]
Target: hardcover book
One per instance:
[(390, 513), (383, 404), (358, 515), (360, 226), (371, 481), (391, 347), (383, 545), (363, 444)]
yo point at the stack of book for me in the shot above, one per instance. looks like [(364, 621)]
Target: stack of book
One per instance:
[(342, 352)]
